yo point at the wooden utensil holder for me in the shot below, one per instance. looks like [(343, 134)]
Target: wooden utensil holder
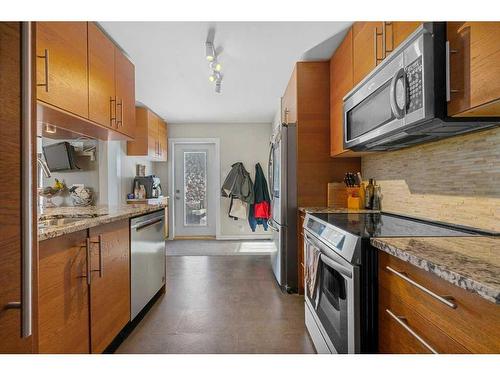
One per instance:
[(355, 197)]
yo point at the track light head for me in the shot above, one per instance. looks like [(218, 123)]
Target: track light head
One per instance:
[(209, 51)]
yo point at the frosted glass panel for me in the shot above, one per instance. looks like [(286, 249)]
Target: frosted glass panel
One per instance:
[(195, 188)]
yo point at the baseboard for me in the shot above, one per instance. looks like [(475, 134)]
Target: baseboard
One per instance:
[(224, 237)]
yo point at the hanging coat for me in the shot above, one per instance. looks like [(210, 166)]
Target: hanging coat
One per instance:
[(260, 210), (238, 184)]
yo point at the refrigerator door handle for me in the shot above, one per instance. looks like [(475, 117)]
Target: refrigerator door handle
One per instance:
[(270, 222), (270, 170)]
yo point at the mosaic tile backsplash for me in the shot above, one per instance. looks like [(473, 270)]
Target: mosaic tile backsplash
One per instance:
[(455, 180)]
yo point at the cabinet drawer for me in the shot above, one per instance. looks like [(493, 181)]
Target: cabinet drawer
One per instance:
[(473, 322), (402, 330)]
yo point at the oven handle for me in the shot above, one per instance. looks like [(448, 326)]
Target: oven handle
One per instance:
[(337, 267), (399, 112), (328, 261)]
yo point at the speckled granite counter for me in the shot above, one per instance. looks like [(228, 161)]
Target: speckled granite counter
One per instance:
[(90, 217), (472, 263), (333, 210)]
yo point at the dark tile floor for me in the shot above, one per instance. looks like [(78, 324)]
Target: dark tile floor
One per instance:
[(221, 304)]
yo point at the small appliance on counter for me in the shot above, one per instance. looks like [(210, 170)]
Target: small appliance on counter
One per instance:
[(152, 186)]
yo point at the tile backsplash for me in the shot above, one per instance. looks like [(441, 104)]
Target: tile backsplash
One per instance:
[(455, 180)]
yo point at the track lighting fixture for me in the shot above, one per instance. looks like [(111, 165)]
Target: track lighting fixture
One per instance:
[(215, 67)]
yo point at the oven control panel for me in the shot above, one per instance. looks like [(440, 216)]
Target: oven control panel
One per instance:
[(415, 85), (327, 233)]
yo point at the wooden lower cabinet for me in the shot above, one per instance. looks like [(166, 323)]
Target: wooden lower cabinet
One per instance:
[(77, 316), (110, 283), (472, 325), (63, 296), (300, 251)]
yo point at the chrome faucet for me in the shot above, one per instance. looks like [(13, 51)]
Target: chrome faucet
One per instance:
[(43, 165), (43, 170)]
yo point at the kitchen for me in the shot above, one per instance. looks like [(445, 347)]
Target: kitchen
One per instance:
[(367, 221)]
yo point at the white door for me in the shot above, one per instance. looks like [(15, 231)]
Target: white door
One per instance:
[(195, 189)]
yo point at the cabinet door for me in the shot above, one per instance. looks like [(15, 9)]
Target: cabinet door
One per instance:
[(341, 81), (474, 68), (61, 66), (110, 286), (102, 105), (153, 121), (367, 48), (63, 300), (162, 140), (10, 185), (289, 100), (125, 94), (397, 32)]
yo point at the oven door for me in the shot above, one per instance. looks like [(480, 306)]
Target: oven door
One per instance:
[(334, 304)]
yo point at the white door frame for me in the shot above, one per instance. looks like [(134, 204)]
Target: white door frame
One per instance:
[(172, 142)]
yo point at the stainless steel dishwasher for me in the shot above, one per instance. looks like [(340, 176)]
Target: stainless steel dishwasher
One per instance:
[(147, 241)]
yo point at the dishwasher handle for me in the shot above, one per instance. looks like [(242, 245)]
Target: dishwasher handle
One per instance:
[(147, 224)]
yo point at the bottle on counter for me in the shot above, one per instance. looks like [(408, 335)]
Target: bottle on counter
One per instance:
[(136, 190), (369, 191), (377, 196)]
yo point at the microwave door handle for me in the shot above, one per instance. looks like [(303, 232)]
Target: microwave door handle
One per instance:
[(398, 112)]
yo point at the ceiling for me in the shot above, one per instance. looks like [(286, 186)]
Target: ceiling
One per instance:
[(257, 60)]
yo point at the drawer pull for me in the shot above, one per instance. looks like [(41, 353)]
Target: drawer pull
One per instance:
[(441, 299), (401, 321)]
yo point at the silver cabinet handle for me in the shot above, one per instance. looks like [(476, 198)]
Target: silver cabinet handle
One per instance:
[(27, 186), (111, 117), (87, 257), (444, 300), (401, 321), (99, 243), (45, 56), (449, 90), (119, 122)]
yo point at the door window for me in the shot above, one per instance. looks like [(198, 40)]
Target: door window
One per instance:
[(195, 188)]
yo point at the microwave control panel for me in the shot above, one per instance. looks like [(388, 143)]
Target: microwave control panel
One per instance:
[(415, 85)]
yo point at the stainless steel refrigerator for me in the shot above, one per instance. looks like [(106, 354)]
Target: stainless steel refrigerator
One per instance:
[(282, 177)]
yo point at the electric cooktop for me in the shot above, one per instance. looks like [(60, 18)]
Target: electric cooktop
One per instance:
[(367, 225)]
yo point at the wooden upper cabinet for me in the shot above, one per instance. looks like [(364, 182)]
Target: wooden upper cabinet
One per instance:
[(125, 94), (101, 77), (150, 136), (341, 82), (61, 65), (63, 299), (474, 68), (162, 141), (367, 48), (397, 31), (289, 101), (110, 286)]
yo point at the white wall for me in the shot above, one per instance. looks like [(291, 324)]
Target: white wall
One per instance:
[(117, 172), (247, 143)]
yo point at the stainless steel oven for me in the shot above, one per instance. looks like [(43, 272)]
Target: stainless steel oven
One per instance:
[(332, 310), (403, 100)]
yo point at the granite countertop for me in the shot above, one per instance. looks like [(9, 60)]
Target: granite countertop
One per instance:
[(91, 216), (334, 210), (471, 263)]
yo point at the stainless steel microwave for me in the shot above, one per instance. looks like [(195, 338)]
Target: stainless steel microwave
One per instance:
[(403, 101)]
